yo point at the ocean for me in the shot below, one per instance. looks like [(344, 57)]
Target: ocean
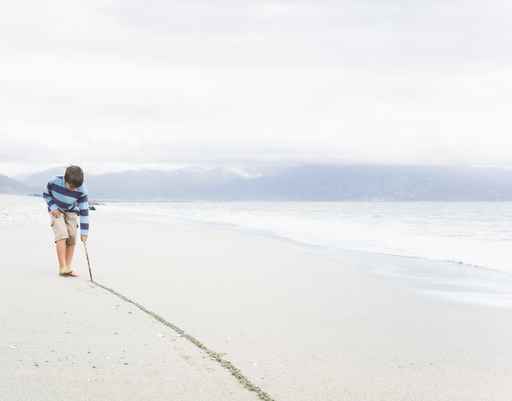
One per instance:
[(455, 250), (477, 234)]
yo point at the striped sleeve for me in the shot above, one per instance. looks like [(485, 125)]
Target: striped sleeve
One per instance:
[(47, 195), (83, 206)]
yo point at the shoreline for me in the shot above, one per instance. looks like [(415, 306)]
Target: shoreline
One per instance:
[(469, 249), (491, 277)]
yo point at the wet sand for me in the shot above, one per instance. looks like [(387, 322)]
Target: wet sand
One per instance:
[(300, 323)]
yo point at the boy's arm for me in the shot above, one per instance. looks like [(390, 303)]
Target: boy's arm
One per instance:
[(47, 195), (83, 205)]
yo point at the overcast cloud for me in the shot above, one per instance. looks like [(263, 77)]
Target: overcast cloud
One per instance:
[(132, 83)]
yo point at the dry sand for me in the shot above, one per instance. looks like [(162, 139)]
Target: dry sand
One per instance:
[(299, 322)]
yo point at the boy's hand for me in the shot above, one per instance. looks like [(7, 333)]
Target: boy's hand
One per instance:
[(83, 238), (56, 213)]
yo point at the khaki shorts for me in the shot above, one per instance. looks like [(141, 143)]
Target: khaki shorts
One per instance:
[(65, 227)]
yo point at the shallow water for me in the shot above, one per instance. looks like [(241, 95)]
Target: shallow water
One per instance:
[(473, 233), (457, 251)]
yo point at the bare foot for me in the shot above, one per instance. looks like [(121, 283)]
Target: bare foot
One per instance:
[(70, 274)]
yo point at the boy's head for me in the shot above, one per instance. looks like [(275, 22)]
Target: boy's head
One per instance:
[(74, 177)]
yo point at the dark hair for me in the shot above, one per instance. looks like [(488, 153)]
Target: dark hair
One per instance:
[(74, 176)]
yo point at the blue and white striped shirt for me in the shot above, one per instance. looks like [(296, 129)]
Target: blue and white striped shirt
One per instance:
[(57, 196)]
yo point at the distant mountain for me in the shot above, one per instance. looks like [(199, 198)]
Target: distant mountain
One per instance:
[(184, 183), (312, 182), (11, 186), (40, 179), (386, 183), (181, 184)]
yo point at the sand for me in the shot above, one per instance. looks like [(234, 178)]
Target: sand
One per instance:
[(299, 322)]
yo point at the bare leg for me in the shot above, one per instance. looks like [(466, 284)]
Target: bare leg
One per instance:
[(69, 254), (61, 254)]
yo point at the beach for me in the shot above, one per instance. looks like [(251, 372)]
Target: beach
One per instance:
[(299, 322)]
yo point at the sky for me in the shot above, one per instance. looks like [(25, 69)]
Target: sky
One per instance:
[(127, 84)]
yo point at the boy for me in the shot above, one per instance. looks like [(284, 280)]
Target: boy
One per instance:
[(66, 197)]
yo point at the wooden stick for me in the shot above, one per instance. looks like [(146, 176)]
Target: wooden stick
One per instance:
[(88, 262)]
